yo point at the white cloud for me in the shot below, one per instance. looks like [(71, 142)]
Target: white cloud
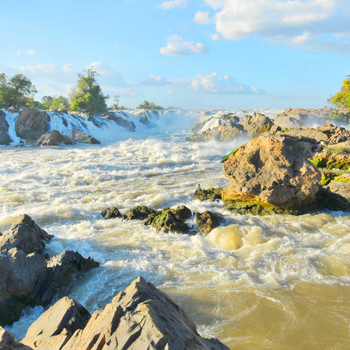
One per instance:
[(126, 92), (314, 25), (168, 5), (154, 81), (215, 37), (217, 84), (29, 52), (178, 46), (202, 18), (108, 76)]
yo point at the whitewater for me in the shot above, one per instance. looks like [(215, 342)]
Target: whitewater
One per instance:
[(272, 282)]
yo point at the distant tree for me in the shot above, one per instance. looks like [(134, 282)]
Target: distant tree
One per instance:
[(116, 101), (148, 105), (342, 98), (17, 91), (88, 96)]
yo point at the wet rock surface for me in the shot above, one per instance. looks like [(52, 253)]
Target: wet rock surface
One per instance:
[(211, 194), (141, 317), (130, 126), (54, 138), (31, 124), (111, 213), (140, 212), (5, 139), (207, 221), (82, 137)]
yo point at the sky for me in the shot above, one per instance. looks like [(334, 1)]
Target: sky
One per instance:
[(205, 54)]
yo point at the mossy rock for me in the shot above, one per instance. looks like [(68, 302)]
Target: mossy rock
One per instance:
[(111, 213), (211, 194), (318, 162), (138, 213), (233, 153), (195, 138)]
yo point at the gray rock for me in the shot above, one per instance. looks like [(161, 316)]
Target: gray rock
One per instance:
[(130, 126), (53, 138), (340, 188), (24, 234), (5, 139), (7, 341), (82, 137), (31, 124), (256, 124)]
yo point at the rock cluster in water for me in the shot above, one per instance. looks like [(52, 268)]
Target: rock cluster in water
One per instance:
[(141, 317), (27, 277)]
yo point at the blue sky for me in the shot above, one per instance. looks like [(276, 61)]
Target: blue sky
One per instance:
[(208, 54)]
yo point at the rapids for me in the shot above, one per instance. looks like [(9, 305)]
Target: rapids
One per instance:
[(273, 282)]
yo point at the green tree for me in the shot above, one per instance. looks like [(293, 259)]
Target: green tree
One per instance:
[(88, 96), (116, 102), (342, 98), (148, 105), (17, 91)]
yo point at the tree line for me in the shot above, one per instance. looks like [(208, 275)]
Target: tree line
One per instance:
[(87, 96)]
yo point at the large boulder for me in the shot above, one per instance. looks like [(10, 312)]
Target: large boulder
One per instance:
[(139, 212), (24, 234), (82, 137), (31, 124), (141, 317), (223, 133), (271, 174), (5, 139), (130, 126), (341, 188), (53, 138), (256, 124)]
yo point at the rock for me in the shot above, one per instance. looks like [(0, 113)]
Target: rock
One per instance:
[(130, 126), (311, 134), (221, 133), (111, 213), (207, 221), (170, 220), (145, 121), (288, 122), (211, 194), (326, 199), (24, 234), (141, 317), (7, 341), (31, 124), (61, 270), (256, 124), (53, 138), (270, 174), (55, 327), (82, 137), (275, 128), (5, 139), (138, 213), (341, 188)]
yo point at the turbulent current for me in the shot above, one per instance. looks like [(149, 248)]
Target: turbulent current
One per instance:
[(273, 282)]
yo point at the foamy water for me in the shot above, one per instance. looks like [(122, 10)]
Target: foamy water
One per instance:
[(274, 282)]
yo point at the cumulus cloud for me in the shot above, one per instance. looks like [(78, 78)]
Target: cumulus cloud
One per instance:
[(314, 25), (29, 52), (178, 46), (168, 5), (154, 81), (126, 92), (108, 76), (202, 18), (217, 84)]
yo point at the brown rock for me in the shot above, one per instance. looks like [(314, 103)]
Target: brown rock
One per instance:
[(82, 137), (256, 124), (340, 188), (53, 138), (5, 139), (207, 221), (271, 171), (31, 124)]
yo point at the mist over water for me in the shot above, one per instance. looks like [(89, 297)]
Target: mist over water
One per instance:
[(273, 282)]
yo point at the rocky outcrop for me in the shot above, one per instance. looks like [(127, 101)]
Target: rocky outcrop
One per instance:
[(54, 138), (140, 212), (207, 221), (212, 194), (25, 235), (141, 317), (111, 213), (26, 276), (145, 121), (271, 174), (256, 124), (7, 341), (170, 220), (341, 188), (82, 137), (130, 126), (31, 124), (5, 139)]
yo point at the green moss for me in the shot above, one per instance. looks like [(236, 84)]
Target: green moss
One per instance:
[(210, 194), (233, 153), (318, 162), (338, 165), (286, 130)]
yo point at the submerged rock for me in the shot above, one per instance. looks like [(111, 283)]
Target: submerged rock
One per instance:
[(5, 139), (53, 138), (138, 213), (111, 213), (31, 124), (271, 174), (141, 317), (207, 221), (211, 194), (82, 137)]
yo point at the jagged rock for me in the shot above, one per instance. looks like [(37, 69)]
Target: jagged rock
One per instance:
[(141, 317), (145, 121), (207, 221), (311, 134), (256, 124), (341, 188), (170, 220), (31, 124), (24, 234), (211, 194), (82, 137), (5, 139), (55, 327), (111, 213), (275, 128), (138, 213), (7, 341), (61, 270), (221, 133), (53, 138), (288, 122), (326, 199), (130, 126), (271, 174)]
